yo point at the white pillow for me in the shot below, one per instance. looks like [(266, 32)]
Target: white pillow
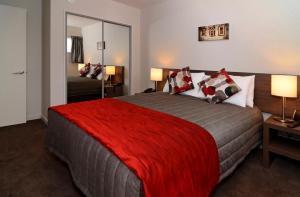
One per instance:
[(250, 96), (166, 87), (196, 92), (240, 98)]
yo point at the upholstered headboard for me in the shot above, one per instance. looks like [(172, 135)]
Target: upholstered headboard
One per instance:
[(262, 98)]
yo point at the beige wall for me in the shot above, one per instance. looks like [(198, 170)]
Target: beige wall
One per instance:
[(34, 53), (264, 36), (104, 9)]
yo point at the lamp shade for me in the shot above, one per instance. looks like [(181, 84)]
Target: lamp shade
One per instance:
[(284, 85), (110, 70), (80, 66), (156, 74)]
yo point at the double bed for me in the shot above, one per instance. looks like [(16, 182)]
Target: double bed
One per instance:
[(99, 172)]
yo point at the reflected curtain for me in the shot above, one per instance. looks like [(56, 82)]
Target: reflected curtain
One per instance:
[(77, 50)]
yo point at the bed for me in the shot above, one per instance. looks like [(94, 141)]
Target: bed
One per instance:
[(98, 172), (84, 88)]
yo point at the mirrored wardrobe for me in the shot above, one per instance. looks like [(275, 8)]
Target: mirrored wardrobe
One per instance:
[(97, 58)]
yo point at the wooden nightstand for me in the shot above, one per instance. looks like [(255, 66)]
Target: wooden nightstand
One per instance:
[(113, 91), (272, 143)]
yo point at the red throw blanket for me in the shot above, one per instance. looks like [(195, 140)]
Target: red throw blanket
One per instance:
[(171, 156)]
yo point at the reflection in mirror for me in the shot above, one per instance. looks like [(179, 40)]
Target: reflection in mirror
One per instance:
[(116, 58), (97, 59), (84, 60)]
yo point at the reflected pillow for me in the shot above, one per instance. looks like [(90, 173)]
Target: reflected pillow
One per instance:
[(91, 71), (83, 72), (97, 71)]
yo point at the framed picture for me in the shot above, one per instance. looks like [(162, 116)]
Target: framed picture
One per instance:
[(214, 32)]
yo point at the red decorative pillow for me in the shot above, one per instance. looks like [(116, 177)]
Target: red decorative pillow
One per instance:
[(85, 70), (219, 87), (180, 81), (97, 71)]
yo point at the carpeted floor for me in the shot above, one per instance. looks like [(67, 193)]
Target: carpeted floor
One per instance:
[(28, 170)]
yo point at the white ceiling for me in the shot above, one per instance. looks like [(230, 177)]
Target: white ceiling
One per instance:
[(77, 21), (139, 3)]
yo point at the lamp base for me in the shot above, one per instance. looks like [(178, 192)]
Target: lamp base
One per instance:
[(286, 120)]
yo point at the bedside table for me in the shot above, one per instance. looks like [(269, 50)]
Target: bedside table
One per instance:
[(272, 143), (113, 91)]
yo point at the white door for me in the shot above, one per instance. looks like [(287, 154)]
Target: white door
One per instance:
[(12, 65)]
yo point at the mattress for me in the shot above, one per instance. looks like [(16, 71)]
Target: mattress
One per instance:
[(97, 172)]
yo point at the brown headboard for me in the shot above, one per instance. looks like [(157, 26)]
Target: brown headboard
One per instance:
[(262, 96), (119, 76)]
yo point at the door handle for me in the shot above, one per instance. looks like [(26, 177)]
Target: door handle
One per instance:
[(18, 73)]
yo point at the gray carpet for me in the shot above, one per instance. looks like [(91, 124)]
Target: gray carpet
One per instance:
[(27, 169)]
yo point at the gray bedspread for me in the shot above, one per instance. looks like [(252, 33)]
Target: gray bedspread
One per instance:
[(97, 172)]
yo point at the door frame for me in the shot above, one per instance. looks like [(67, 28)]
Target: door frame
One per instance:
[(103, 21)]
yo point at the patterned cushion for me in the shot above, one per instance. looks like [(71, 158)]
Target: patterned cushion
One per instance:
[(219, 87), (180, 81), (85, 70), (97, 71)]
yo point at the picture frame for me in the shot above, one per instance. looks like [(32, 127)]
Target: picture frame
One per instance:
[(213, 32)]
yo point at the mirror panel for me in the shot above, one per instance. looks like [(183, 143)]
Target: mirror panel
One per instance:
[(117, 58), (97, 58), (83, 37)]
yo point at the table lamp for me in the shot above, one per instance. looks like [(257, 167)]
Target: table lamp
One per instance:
[(110, 70), (156, 75), (286, 87)]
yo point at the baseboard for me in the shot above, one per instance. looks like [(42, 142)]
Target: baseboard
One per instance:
[(34, 117), (45, 119)]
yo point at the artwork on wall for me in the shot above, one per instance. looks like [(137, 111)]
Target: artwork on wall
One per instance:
[(214, 32)]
